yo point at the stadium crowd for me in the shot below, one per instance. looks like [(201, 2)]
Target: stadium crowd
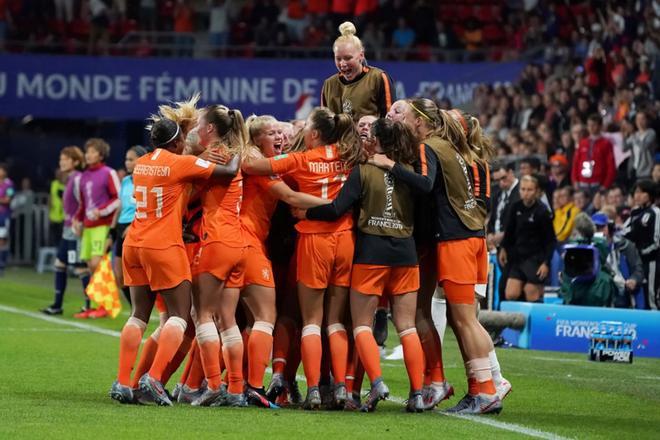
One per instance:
[(391, 29)]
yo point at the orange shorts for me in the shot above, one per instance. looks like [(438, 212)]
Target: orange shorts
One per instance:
[(376, 280), (160, 304), (463, 262), (324, 259), (223, 262), (258, 269), (159, 269)]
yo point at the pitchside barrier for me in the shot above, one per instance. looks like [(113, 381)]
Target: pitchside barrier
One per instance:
[(29, 229), (558, 327)]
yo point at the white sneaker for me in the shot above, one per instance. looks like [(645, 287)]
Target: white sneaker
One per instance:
[(503, 388)]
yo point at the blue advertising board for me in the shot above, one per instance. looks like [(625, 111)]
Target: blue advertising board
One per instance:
[(568, 328), (121, 88)]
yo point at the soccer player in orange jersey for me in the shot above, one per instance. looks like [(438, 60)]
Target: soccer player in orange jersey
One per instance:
[(154, 258), (185, 114), (260, 196), (325, 249), (220, 264)]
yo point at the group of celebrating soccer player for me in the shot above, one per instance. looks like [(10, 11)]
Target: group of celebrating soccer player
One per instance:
[(259, 239)]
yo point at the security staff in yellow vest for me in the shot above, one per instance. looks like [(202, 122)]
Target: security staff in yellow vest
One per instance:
[(357, 89), (385, 260)]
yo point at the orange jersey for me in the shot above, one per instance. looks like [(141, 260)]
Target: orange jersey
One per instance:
[(319, 172), (161, 191), (257, 209), (222, 206)]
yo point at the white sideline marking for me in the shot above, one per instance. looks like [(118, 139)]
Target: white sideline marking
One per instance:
[(512, 427), (506, 426), (541, 358), (80, 325), (42, 329)]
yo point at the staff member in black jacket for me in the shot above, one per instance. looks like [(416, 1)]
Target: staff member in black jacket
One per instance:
[(528, 243), (508, 194), (643, 229)]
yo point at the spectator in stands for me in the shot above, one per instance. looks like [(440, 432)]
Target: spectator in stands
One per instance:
[(403, 37), (505, 196), (643, 229), (565, 212), (624, 262), (148, 15), (615, 197), (593, 162), (219, 25), (184, 27), (528, 244), (582, 201), (643, 145), (559, 171), (99, 24), (655, 174), (6, 194)]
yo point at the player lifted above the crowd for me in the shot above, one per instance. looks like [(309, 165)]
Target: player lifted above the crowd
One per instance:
[(357, 89)]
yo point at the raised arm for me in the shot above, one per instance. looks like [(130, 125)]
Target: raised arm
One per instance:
[(295, 198), (349, 194)]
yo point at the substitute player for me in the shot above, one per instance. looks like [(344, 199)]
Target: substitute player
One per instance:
[(72, 162), (99, 199), (357, 89), (461, 249)]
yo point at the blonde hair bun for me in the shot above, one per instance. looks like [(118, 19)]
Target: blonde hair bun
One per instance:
[(347, 29)]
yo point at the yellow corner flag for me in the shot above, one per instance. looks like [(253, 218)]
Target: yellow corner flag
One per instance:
[(103, 289)]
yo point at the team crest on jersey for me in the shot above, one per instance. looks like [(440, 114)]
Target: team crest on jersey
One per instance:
[(645, 219), (265, 274), (347, 107)]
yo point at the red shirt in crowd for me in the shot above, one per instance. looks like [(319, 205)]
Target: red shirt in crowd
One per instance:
[(593, 162)]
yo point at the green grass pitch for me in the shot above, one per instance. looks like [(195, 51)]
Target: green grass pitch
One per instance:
[(54, 380)]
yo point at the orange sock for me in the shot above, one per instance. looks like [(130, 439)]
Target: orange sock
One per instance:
[(168, 344), (368, 349), (196, 374), (338, 342), (283, 337), (178, 359), (129, 344), (433, 353), (189, 362), (232, 350), (209, 347), (483, 375), (245, 335), (259, 347), (311, 351), (146, 357), (413, 357)]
